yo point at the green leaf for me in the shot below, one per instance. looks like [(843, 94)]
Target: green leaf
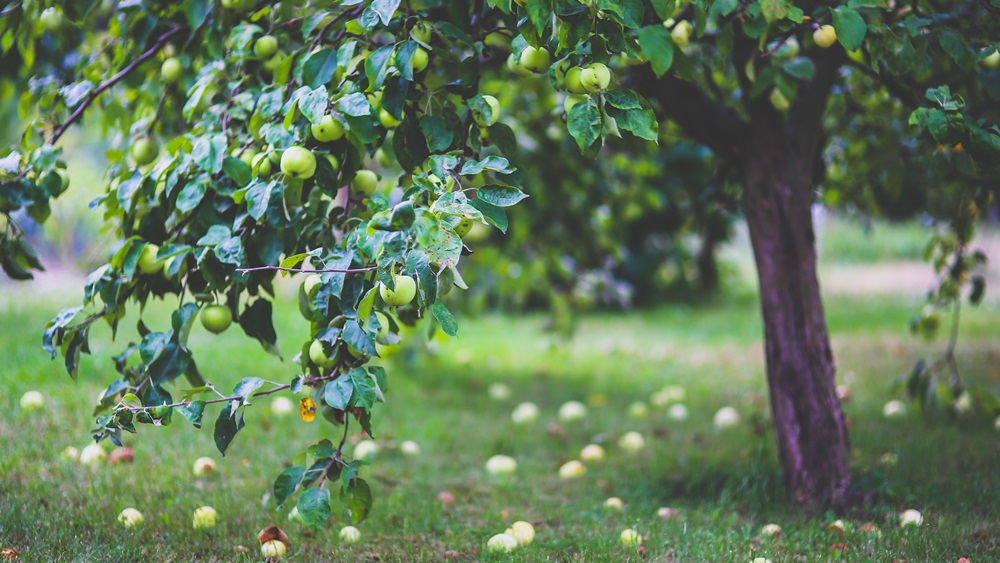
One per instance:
[(385, 9), (448, 323), (850, 27), (355, 105), (210, 152), (246, 387), (337, 393), (376, 66), (501, 196), (286, 482), (774, 10), (53, 329), (958, 49), (314, 507), (358, 496), (226, 427), (237, 170), (584, 123), (640, 122), (438, 133), (319, 67), (357, 338), (492, 162), (658, 47), (193, 412), (494, 215), (365, 393)]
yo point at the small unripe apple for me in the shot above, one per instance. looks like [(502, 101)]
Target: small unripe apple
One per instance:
[(573, 99), (52, 19), (572, 411), (145, 151), (365, 182), (614, 503), (130, 517), (216, 318), (318, 355), (265, 46), (204, 518), (410, 447), (572, 469), (148, 263), (681, 33), (239, 5), (825, 36), (501, 543), (203, 467), (327, 130), (172, 70), (273, 550), (524, 413), (630, 537), (596, 77), (350, 534), (991, 61), (260, 166), (366, 449), (515, 67), (501, 465), (481, 119), (638, 409), (521, 531), (631, 442), (312, 284), (421, 32), (282, 407), (725, 418), (536, 60), (779, 101), (573, 81), (298, 162), (591, 453), (93, 455), (406, 290), (419, 60), (32, 400), (387, 119)]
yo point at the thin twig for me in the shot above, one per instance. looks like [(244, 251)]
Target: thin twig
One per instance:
[(10, 10), (299, 271)]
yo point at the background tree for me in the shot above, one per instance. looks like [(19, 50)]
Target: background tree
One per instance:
[(247, 131)]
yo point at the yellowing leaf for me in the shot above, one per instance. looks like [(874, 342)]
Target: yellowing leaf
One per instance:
[(307, 409)]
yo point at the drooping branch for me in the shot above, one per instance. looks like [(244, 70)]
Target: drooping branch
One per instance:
[(148, 54)]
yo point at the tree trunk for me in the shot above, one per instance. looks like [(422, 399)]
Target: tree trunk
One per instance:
[(808, 421)]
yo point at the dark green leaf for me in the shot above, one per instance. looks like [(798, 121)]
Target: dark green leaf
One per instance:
[(658, 47), (501, 196), (448, 323), (226, 427), (850, 27), (314, 507), (286, 482)]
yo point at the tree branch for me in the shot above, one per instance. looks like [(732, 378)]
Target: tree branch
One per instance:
[(299, 271), (805, 115), (160, 43)]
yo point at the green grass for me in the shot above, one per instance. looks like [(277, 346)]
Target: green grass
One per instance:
[(726, 485), (846, 239)]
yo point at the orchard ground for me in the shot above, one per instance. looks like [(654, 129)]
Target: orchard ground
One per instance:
[(724, 484)]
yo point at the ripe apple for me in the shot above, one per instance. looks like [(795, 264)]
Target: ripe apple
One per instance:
[(825, 36), (501, 543), (681, 33), (910, 517), (32, 400), (204, 518), (614, 503), (779, 101), (573, 99), (501, 465), (327, 130), (172, 70), (421, 32), (203, 467), (410, 447), (387, 120), (148, 263), (298, 162), (52, 19), (265, 46), (261, 166), (318, 355), (446, 498), (630, 537), (631, 442), (595, 77), (481, 119), (93, 455), (591, 453), (350, 534), (366, 449), (536, 60), (130, 517), (571, 411), (145, 151), (365, 182), (524, 413), (572, 469), (419, 60), (521, 531), (725, 417), (406, 290), (273, 550), (991, 61), (216, 318), (121, 455)]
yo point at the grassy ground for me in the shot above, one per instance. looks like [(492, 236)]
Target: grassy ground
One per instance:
[(725, 484)]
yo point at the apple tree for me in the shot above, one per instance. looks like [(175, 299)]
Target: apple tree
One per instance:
[(248, 135)]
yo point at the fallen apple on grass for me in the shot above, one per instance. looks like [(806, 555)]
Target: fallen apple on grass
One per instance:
[(501, 465), (130, 517), (524, 413), (631, 442), (771, 530), (894, 409), (282, 407), (726, 417), (677, 412), (572, 469), (204, 518), (32, 400), (203, 467), (273, 550), (592, 453), (93, 455), (409, 447), (910, 517), (121, 455), (630, 537), (499, 391), (366, 449), (521, 531), (572, 411), (501, 543), (350, 534), (614, 503)]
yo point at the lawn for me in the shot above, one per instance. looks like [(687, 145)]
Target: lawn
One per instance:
[(725, 484)]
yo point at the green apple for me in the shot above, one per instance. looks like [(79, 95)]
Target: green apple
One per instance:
[(406, 290), (273, 550), (261, 166), (592, 453), (535, 60), (521, 531), (464, 226), (298, 162), (63, 179), (203, 467), (130, 517), (387, 120), (681, 33), (171, 70), (572, 469), (573, 80), (501, 465), (421, 32), (265, 46), (145, 151), (516, 68), (365, 182), (52, 19), (419, 60), (270, 65), (32, 400), (501, 543), (204, 518), (480, 119), (596, 77), (318, 355), (350, 534), (239, 5), (216, 318), (614, 503), (825, 36), (246, 155), (573, 99), (991, 61), (779, 101), (382, 158), (630, 537), (93, 455), (148, 263), (788, 50), (312, 284), (383, 324), (327, 130)]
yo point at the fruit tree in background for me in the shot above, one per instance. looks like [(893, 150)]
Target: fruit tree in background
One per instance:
[(250, 134)]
